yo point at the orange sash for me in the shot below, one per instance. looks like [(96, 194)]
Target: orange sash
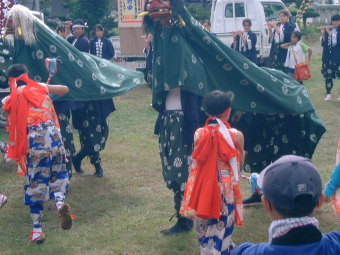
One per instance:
[(17, 106), (206, 195)]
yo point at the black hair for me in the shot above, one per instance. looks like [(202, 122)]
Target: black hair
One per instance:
[(297, 34), (78, 22), (207, 22), (15, 71), (60, 28), (285, 13), (216, 102), (304, 205), (246, 21), (99, 27), (335, 17)]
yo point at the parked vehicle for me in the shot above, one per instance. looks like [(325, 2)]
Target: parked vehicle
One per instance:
[(227, 16)]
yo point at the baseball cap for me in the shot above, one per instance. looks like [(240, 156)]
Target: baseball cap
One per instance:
[(289, 177)]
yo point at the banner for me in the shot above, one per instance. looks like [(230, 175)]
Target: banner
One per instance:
[(129, 11)]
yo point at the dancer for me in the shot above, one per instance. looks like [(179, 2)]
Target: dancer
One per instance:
[(330, 41), (265, 102), (213, 192), (279, 32), (245, 41), (91, 120), (35, 144), (296, 53)]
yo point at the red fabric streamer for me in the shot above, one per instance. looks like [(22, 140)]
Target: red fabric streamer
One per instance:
[(17, 107), (206, 194)]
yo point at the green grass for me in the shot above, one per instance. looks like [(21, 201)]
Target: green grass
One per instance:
[(123, 212)]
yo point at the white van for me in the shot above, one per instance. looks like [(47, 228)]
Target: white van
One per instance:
[(227, 16)]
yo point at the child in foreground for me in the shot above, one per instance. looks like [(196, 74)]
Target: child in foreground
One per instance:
[(35, 144), (332, 189), (213, 194)]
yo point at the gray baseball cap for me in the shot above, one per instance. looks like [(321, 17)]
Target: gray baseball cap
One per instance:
[(289, 177)]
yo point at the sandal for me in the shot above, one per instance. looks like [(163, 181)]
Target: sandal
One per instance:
[(39, 239), (66, 217), (3, 200)]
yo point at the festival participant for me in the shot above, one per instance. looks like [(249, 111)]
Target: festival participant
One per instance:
[(193, 61), (296, 53), (3, 200), (213, 192), (91, 120), (279, 32), (294, 229), (330, 41), (175, 126), (35, 144), (245, 41), (79, 38), (100, 46)]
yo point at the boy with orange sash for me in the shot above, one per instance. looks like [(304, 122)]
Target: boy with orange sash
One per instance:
[(213, 194), (36, 145)]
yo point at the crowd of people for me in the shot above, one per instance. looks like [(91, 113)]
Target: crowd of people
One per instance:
[(201, 165)]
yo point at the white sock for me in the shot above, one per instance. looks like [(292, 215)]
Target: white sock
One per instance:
[(36, 235), (59, 205)]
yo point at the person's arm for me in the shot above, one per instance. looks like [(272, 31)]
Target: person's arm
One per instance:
[(67, 25), (240, 147), (286, 45), (334, 182), (59, 90), (335, 39), (310, 53), (270, 31), (111, 49)]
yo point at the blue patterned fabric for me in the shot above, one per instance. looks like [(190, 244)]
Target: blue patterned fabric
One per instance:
[(47, 175), (214, 235)]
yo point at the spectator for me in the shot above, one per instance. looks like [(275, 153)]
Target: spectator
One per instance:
[(64, 30), (296, 53), (292, 191), (100, 46), (207, 25)]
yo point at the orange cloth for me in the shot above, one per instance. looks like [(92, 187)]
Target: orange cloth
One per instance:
[(206, 195), (17, 107)]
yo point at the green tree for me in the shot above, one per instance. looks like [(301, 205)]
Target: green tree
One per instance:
[(91, 11)]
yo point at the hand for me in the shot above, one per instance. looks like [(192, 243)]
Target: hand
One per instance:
[(240, 33), (68, 23), (274, 24), (326, 199), (269, 25), (323, 30)]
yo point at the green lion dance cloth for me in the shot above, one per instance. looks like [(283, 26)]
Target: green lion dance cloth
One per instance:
[(88, 77), (276, 114)]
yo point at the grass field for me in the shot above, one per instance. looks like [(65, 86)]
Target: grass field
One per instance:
[(123, 212)]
